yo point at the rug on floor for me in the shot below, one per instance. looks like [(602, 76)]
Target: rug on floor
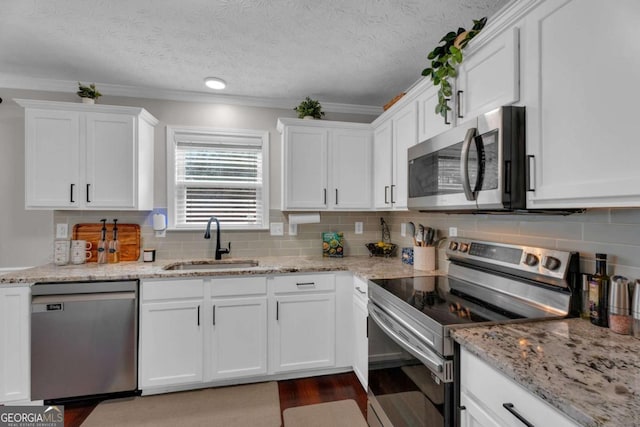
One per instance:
[(341, 413), (237, 406)]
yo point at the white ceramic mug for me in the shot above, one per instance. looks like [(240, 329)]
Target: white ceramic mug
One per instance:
[(61, 252), (81, 244), (79, 255)]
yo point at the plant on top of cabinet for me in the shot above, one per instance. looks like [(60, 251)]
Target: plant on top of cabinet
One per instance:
[(444, 59), (88, 92), (309, 108)]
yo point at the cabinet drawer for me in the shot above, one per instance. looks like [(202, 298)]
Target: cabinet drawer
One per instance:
[(491, 389), (172, 289), (239, 286), (303, 283)]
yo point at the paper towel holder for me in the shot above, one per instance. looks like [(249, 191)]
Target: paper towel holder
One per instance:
[(160, 224)]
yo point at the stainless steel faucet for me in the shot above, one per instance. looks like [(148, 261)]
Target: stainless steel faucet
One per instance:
[(207, 235)]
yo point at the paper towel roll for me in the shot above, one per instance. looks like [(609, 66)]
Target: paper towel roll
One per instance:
[(159, 222), (305, 218)]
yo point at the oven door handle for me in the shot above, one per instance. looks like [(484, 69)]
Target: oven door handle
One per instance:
[(429, 358), (464, 164)]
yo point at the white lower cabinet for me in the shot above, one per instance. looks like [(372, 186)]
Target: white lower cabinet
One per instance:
[(171, 333), (489, 398), (15, 356), (360, 346), (302, 332), (238, 333)]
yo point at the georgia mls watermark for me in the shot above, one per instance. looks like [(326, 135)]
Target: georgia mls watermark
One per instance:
[(32, 416)]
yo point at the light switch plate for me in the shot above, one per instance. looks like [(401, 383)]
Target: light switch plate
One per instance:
[(453, 231), (403, 229), (358, 227), (62, 231), (293, 229), (277, 229)]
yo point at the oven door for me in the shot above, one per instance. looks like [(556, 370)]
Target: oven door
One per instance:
[(402, 391), (461, 169)]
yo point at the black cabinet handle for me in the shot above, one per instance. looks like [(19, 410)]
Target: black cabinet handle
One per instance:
[(325, 196), (198, 315), (386, 194), (71, 195), (88, 187), (312, 284), (277, 310), (214, 315), (446, 119), (392, 199), (509, 407), (336, 196), (458, 107)]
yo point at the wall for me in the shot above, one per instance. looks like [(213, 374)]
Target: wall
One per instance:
[(26, 236)]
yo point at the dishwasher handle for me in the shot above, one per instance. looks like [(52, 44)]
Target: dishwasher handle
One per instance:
[(42, 301)]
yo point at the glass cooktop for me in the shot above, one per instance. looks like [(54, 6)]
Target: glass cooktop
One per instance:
[(446, 300)]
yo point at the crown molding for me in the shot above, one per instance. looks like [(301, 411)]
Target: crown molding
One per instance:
[(11, 81)]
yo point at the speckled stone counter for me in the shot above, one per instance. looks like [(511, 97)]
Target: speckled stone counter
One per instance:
[(589, 373), (363, 266)]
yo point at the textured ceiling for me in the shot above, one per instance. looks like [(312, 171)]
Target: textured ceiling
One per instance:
[(360, 52)]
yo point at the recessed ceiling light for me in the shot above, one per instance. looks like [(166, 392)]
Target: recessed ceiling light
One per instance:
[(215, 83)]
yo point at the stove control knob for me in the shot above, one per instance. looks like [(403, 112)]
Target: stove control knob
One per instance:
[(551, 263), (464, 247), (453, 246), (531, 260)]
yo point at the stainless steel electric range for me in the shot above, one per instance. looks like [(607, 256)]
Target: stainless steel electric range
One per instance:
[(412, 363)]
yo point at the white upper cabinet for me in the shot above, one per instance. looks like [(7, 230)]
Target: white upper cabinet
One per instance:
[(581, 82), (326, 165), (489, 76), (392, 137), (82, 156), (429, 123)]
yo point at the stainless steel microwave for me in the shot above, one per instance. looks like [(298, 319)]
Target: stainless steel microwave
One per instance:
[(478, 165)]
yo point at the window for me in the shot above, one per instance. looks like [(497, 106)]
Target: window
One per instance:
[(217, 172)]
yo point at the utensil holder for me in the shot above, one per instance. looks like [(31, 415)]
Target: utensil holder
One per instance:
[(424, 258)]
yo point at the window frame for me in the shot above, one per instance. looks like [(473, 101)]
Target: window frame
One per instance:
[(176, 133)]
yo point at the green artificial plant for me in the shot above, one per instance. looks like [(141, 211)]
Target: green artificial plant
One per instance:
[(309, 107), (88, 91), (444, 60)]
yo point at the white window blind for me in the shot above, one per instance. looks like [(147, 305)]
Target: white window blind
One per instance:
[(221, 174)]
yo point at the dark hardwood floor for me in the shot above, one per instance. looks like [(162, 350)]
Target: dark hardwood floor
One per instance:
[(299, 392)]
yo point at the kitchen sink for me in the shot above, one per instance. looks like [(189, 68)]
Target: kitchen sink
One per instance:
[(211, 265)]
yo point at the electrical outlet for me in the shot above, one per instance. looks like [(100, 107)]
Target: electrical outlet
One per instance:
[(403, 229), (293, 229), (453, 231), (62, 231), (277, 229), (358, 227)]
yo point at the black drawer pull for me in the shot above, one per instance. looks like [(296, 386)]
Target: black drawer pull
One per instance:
[(306, 284), (509, 407)]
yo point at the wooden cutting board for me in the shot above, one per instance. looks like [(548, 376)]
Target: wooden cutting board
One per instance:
[(128, 236)]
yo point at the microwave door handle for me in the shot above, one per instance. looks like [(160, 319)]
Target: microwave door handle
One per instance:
[(481, 165), (464, 164)]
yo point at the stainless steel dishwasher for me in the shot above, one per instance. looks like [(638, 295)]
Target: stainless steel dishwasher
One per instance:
[(84, 339)]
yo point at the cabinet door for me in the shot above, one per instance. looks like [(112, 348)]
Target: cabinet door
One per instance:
[(111, 172), (382, 158), (581, 127), (350, 169), (429, 123), (405, 134), (302, 332), (238, 346), (305, 152), (171, 343), (52, 150), (473, 414), (360, 340), (15, 358), (489, 77)]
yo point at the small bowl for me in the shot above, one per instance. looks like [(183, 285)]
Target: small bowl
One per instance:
[(388, 250)]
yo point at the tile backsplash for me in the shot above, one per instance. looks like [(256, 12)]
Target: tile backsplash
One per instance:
[(615, 232)]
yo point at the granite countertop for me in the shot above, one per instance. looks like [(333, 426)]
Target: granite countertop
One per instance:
[(589, 373), (363, 266)]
